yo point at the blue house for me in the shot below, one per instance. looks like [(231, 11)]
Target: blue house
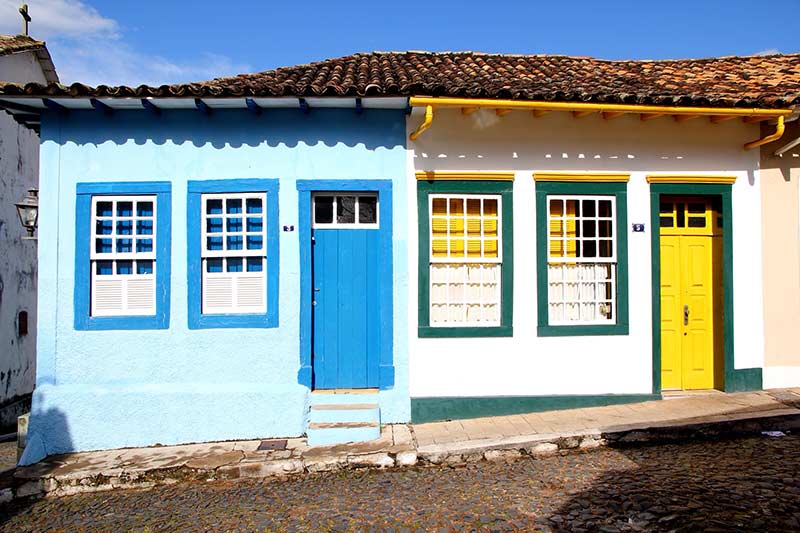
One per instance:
[(195, 252)]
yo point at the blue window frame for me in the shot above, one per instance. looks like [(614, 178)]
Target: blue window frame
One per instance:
[(228, 222), (114, 215)]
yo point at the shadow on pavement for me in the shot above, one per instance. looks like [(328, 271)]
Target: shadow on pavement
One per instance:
[(748, 484)]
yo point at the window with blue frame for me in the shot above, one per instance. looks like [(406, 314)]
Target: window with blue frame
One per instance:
[(122, 262), (233, 253)]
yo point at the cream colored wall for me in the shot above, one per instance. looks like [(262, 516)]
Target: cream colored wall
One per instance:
[(780, 228)]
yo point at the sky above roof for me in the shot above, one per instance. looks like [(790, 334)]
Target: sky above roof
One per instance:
[(156, 42)]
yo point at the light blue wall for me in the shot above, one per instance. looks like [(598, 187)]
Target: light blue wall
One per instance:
[(108, 389)]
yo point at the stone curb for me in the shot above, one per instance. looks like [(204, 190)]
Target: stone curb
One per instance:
[(407, 454)]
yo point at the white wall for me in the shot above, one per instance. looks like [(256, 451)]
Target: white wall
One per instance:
[(529, 365)]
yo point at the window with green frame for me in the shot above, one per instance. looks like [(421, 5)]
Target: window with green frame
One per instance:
[(466, 254), (582, 258)]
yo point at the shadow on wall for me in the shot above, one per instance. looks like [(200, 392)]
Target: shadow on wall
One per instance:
[(730, 485), (375, 128), (53, 423)]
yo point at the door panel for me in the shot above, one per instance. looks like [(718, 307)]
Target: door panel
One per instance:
[(346, 331), (671, 313), (698, 349)]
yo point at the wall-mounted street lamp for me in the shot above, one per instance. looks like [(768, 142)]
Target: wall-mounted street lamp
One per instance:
[(28, 211)]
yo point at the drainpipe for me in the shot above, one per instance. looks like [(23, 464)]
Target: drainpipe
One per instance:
[(779, 129)]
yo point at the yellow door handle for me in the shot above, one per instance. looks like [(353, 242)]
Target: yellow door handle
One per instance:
[(685, 315)]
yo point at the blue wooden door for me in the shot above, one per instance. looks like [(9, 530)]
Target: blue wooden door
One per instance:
[(346, 313)]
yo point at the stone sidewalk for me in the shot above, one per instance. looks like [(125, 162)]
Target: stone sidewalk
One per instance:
[(452, 442)]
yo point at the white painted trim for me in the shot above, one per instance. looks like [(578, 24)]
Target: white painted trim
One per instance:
[(780, 377)]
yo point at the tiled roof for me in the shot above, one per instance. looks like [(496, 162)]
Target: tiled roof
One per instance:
[(753, 81), (18, 43)]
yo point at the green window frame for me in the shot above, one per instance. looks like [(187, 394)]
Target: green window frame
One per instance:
[(505, 190), (619, 191)]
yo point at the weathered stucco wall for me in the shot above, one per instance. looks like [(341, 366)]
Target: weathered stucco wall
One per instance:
[(21, 67), (19, 171), (780, 202), (528, 365), (106, 389)]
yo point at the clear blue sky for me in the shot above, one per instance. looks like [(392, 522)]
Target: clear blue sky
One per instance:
[(203, 38)]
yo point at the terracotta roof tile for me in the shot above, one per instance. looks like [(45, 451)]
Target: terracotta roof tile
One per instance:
[(751, 81), (18, 43)]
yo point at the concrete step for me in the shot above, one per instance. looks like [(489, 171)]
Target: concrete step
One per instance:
[(342, 416), (350, 396), (330, 433), (359, 412)]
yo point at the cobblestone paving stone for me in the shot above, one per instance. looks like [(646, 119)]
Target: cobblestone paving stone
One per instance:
[(750, 484)]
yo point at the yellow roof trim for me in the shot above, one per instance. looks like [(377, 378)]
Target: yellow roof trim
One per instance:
[(432, 175), (441, 102), (582, 177), (708, 179)]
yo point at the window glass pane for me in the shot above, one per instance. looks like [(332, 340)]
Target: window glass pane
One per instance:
[(102, 246), (124, 209), (214, 243), (234, 264), (235, 225), (213, 225), (234, 243), (125, 267), (589, 249), (144, 267), (439, 207), (490, 207), (103, 227), (323, 209), (605, 228), (697, 222), (589, 208), (473, 207), (104, 209), (604, 208), (255, 242), (255, 264), (345, 209), (124, 246), (144, 245), (589, 227), (680, 215), (214, 207), (696, 208), (214, 265), (368, 209), (144, 227), (456, 207), (606, 248), (666, 207), (233, 206), (255, 224), (666, 222), (254, 205), (144, 209), (104, 268), (124, 227)]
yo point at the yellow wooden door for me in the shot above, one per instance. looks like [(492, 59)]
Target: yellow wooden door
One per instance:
[(689, 310)]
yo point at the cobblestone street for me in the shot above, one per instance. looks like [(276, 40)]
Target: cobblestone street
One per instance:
[(737, 485)]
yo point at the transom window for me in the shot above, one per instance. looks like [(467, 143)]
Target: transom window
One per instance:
[(233, 253), (581, 259), (465, 259), (345, 210), (122, 255)]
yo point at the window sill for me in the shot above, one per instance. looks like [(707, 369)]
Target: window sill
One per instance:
[(105, 323), (582, 330), (233, 321), (455, 332)]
